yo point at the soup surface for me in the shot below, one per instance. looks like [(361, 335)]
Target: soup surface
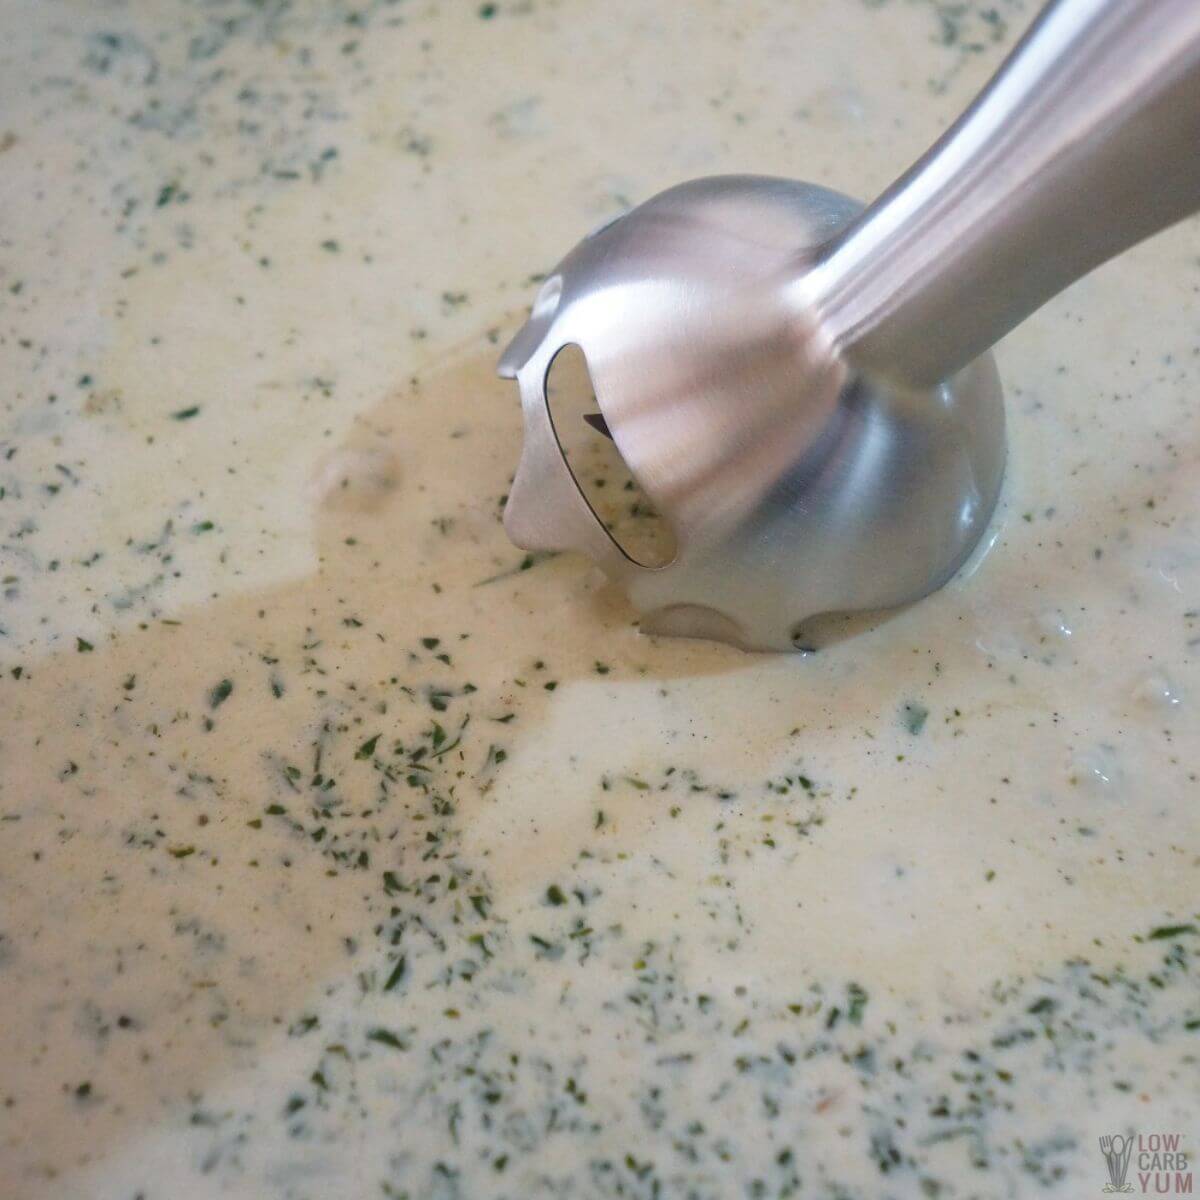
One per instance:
[(346, 850)]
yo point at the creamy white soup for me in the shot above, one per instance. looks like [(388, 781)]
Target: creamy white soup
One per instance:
[(347, 850)]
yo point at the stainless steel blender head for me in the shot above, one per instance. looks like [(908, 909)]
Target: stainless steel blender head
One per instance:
[(802, 386)]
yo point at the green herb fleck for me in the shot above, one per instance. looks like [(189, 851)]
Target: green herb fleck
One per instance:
[(857, 1002), (397, 974), (385, 1037), (913, 716), (1163, 932)]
